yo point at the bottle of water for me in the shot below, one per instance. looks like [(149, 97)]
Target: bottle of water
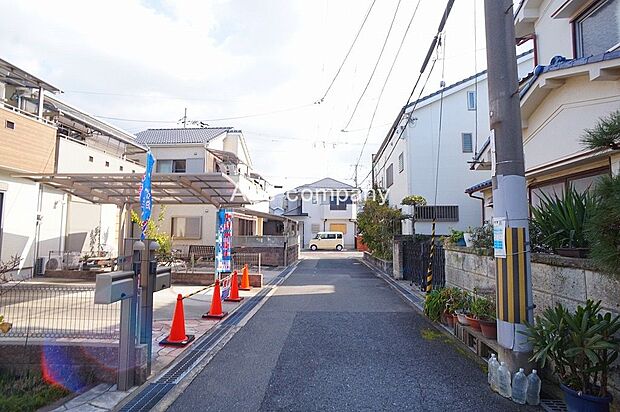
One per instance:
[(519, 387), (533, 388), (503, 380), (492, 374)]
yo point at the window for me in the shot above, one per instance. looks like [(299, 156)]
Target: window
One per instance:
[(107, 164), (389, 175), (9, 125), (245, 227), (91, 159), (471, 100), (401, 162), (187, 227), (467, 142), (440, 213), (120, 168), (581, 182), (598, 29), (338, 203), (171, 166)]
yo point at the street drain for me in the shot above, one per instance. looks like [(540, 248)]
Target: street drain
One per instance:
[(553, 405), (150, 395)]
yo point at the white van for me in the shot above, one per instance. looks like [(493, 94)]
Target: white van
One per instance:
[(327, 241)]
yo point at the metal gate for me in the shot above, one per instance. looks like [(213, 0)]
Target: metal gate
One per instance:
[(416, 256)]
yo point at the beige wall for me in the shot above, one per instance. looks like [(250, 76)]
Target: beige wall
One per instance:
[(30, 147)]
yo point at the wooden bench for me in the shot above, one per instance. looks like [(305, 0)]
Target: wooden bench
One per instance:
[(201, 253)]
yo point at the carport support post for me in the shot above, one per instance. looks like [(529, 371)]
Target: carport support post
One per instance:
[(510, 206), (127, 342), (147, 284)]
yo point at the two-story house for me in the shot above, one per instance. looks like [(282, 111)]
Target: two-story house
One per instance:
[(42, 135), (324, 205), (576, 82), (207, 150), (414, 159)]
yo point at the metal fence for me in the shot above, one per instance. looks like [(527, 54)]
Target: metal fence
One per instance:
[(57, 311), (416, 257), (253, 260)]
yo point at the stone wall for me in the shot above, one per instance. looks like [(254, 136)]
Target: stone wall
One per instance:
[(555, 279), (379, 264)]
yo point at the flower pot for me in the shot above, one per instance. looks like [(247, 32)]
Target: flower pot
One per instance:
[(488, 328), (473, 322), (468, 239), (444, 318), (576, 402), (574, 252), (462, 319), (451, 318), (5, 327), (460, 242)]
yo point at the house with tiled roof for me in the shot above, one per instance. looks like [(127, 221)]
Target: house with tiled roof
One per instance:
[(576, 82), (207, 150), (325, 205)]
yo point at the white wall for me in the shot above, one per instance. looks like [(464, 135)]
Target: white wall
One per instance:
[(73, 157), (208, 214)]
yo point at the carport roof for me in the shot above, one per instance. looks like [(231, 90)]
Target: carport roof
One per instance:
[(167, 188)]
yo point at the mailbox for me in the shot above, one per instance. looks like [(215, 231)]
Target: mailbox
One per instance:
[(162, 279), (114, 286)]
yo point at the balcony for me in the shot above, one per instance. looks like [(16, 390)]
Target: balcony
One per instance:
[(350, 212), (28, 142)]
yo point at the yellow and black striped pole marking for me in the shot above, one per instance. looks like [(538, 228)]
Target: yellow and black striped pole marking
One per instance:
[(429, 272), (511, 272)]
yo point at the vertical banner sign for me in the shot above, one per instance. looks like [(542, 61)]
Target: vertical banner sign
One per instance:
[(223, 245), (499, 237), (146, 200)]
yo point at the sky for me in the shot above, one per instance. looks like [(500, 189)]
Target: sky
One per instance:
[(255, 65)]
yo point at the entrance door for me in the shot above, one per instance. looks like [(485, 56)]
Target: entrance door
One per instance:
[(338, 227)]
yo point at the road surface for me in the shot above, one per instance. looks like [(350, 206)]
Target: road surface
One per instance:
[(334, 337)]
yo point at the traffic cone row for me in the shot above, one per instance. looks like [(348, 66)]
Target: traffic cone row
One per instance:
[(178, 337)]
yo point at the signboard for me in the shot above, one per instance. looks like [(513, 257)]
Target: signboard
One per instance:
[(499, 237), (223, 241), (146, 200)]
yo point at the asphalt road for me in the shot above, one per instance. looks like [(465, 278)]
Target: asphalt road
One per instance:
[(335, 337)]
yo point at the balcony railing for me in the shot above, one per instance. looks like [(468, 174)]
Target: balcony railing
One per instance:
[(25, 113)]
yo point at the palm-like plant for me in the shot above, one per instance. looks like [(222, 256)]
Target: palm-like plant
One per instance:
[(606, 133), (561, 221)]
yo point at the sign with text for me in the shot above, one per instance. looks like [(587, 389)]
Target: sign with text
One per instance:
[(223, 241), (499, 237)]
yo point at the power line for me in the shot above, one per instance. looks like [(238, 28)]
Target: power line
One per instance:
[(347, 55), (387, 78), (145, 96), (387, 36)]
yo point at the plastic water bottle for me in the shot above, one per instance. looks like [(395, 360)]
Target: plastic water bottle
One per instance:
[(503, 380), (519, 387), (533, 388), (492, 374)]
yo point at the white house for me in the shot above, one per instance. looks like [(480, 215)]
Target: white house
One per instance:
[(324, 205), (576, 82), (206, 150), (406, 162), (43, 135)]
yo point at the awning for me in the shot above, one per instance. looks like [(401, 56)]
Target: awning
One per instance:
[(167, 188)]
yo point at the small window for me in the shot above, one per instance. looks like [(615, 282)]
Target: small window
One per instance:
[(401, 162), (120, 168), (133, 171), (468, 145), (471, 100), (438, 213), (596, 31), (91, 159), (10, 125), (107, 164), (187, 227), (389, 175), (171, 166)]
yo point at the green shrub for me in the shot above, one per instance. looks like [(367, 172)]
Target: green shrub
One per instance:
[(153, 231), (606, 133), (561, 221), (435, 304), (378, 223), (603, 229), (482, 237), (27, 392)]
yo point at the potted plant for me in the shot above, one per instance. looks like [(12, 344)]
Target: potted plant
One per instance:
[(476, 310), (435, 304), (488, 320), (461, 307), (468, 237), (581, 346), (561, 221), (453, 303), (5, 327), (455, 238)]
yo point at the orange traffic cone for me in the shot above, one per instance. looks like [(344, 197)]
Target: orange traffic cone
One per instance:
[(215, 312), (245, 279), (234, 290), (177, 335)]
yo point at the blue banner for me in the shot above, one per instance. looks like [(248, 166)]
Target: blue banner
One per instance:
[(223, 241), (146, 200)]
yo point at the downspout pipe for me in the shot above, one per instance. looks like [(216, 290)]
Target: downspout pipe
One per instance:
[(482, 200)]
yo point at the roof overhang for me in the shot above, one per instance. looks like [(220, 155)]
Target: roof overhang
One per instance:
[(12, 74), (167, 188)]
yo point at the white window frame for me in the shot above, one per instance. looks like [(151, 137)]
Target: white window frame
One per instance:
[(401, 162), (471, 136), (471, 104)]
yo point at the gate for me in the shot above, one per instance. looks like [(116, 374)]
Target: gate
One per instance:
[(416, 257)]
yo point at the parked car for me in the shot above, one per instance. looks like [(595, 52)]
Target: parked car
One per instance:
[(327, 241)]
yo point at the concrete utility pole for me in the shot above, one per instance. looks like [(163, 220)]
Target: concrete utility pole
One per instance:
[(510, 205)]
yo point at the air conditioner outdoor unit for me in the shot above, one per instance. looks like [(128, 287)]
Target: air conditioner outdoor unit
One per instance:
[(54, 263), (39, 268)]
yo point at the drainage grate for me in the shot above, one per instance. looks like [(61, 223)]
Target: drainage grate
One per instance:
[(154, 392), (553, 405)]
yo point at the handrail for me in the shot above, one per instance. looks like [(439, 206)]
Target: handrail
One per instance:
[(27, 114)]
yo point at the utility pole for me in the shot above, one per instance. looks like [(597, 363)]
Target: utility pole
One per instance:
[(185, 119), (510, 205)]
